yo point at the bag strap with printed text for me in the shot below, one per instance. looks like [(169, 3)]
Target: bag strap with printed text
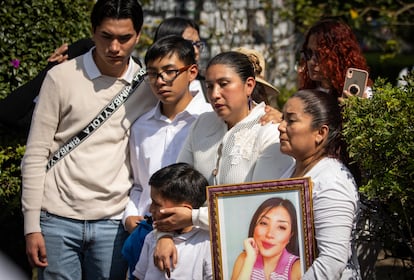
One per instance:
[(103, 115)]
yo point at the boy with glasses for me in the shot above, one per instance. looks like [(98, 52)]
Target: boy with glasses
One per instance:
[(157, 136), (189, 30)]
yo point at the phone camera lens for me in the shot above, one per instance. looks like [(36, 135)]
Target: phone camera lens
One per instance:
[(353, 89)]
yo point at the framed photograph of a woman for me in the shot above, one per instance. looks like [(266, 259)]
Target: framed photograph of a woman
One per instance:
[(261, 230)]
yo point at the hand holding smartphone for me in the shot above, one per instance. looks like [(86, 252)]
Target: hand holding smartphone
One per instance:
[(355, 81)]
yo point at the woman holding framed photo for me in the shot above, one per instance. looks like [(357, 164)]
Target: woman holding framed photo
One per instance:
[(311, 133)]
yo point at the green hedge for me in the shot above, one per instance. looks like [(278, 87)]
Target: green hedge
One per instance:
[(10, 182), (31, 30), (380, 137)]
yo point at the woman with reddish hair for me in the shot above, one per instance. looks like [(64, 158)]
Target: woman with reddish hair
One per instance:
[(330, 48)]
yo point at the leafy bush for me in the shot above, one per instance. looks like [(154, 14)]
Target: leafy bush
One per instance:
[(380, 137), (10, 179), (31, 30), (11, 152)]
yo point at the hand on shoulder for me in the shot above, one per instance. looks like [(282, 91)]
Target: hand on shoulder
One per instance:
[(272, 115), (60, 54)]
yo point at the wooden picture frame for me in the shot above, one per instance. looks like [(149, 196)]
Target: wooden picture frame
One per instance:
[(231, 208)]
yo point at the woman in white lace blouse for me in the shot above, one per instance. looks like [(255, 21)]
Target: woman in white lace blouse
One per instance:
[(229, 145)]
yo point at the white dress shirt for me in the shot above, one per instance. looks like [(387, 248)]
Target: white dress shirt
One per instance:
[(194, 257), (155, 142)]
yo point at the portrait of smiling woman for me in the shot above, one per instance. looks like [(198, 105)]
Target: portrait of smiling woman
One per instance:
[(271, 250)]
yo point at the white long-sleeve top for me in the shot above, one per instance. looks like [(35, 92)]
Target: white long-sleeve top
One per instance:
[(335, 209), (247, 152), (154, 143)]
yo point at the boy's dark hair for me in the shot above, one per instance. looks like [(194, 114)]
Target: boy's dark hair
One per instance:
[(180, 182), (117, 9), (174, 26), (169, 45)]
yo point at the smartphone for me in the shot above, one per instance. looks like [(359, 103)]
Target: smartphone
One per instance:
[(355, 81)]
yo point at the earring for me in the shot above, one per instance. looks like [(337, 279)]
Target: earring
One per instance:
[(249, 102)]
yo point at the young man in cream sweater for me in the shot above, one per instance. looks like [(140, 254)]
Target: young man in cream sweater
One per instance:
[(73, 211)]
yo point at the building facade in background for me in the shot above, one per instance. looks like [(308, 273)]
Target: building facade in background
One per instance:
[(228, 24)]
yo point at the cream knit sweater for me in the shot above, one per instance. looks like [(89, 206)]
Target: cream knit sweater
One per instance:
[(92, 182)]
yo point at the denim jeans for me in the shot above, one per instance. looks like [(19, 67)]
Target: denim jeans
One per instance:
[(78, 249)]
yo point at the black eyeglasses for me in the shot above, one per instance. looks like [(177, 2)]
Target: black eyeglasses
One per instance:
[(308, 54), (198, 44), (167, 76)]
